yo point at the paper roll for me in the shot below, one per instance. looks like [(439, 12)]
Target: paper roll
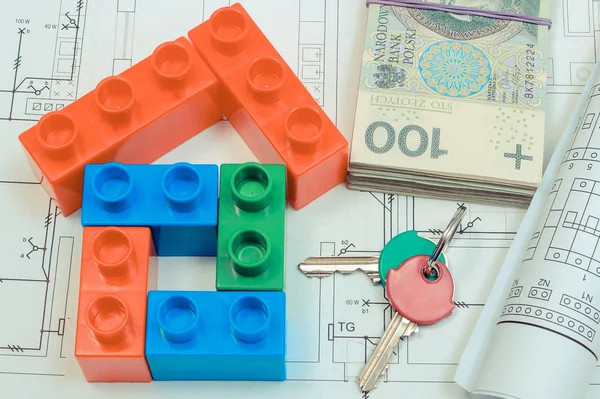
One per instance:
[(539, 334)]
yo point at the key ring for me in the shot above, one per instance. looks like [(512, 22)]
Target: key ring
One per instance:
[(444, 241)]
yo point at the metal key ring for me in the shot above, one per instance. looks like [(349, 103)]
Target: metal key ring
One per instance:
[(445, 239)]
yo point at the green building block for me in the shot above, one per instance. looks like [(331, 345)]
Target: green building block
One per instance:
[(251, 227)]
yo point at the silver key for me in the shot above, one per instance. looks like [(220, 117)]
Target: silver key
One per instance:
[(324, 266), (423, 299), (378, 361)]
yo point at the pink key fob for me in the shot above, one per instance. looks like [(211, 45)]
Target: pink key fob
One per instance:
[(415, 297)]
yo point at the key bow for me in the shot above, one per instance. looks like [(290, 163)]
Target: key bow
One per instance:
[(417, 298)]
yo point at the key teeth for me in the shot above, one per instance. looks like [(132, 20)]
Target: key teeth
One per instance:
[(375, 279), (315, 275)]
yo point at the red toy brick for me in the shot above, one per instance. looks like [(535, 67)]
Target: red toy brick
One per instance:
[(118, 268), (270, 107), (135, 117)]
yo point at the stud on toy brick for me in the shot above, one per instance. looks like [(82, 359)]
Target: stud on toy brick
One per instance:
[(108, 319), (178, 319), (112, 188), (270, 107), (178, 202), (118, 267), (182, 187), (265, 79), (209, 335), (172, 63), (115, 99), (250, 319), (134, 117), (303, 129), (250, 252), (251, 234), (229, 31), (56, 135), (112, 253), (251, 187)]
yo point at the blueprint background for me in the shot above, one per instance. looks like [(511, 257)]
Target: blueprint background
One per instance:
[(333, 323)]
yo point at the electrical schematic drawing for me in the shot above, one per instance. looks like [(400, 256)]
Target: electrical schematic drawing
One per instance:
[(569, 237), (34, 287), (576, 234), (35, 91), (123, 47), (38, 252), (572, 222), (317, 51)]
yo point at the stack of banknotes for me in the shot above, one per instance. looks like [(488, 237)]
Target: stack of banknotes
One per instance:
[(451, 105)]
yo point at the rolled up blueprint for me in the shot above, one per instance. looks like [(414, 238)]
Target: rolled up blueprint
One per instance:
[(539, 334)]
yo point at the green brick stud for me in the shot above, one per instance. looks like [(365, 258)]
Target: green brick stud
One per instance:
[(251, 227)]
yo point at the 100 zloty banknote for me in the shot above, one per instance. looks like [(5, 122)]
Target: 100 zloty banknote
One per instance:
[(457, 94)]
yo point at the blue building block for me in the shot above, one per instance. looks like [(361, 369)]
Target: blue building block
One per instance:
[(178, 202), (216, 335)]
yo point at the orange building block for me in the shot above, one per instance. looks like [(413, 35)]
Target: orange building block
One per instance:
[(118, 268), (134, 117), (270, 107)]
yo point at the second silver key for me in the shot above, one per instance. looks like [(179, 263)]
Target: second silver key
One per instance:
[(420, 292), (399, 327)]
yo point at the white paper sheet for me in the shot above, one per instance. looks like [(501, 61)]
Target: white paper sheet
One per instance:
[(334, 323)]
